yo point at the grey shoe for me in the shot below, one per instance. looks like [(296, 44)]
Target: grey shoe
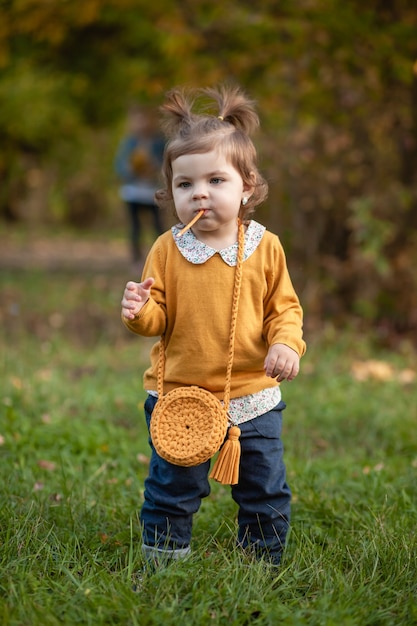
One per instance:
[(155, 558), (162, 556)]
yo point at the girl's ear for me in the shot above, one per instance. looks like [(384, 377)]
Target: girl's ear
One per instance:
[(249, 187)]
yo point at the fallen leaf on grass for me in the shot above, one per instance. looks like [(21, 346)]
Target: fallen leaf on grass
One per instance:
[(50, 466), (56, 320), (407, 376), (56, 497), (106, 539), (44, 375), (320, 443), (382, 371), (377, 468), (379, 370), (143, 459)]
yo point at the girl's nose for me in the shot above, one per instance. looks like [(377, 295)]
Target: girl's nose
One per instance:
[(200, 192)]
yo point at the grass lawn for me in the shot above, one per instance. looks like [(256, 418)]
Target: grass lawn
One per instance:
[(73, 450)]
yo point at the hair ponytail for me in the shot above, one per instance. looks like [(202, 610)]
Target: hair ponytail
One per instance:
[(177, 112), (234, 107)]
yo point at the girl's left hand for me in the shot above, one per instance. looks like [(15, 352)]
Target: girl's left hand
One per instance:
[(282, 362)]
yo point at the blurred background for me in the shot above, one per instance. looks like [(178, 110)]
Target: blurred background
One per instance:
[(336, 87)]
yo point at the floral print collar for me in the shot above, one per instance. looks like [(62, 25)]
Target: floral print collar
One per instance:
[(198, 252)]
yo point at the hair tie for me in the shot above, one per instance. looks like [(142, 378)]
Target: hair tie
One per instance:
[(220, 117)]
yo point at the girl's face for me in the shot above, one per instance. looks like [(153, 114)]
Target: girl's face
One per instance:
[(208, 181)]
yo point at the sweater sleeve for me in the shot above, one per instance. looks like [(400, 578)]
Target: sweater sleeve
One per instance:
[(283, 315), (151, 319)]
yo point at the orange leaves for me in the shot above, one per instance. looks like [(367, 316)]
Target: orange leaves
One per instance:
[(51, 21)]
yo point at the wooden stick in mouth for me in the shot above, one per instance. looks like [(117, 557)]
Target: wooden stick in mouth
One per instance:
[(190, 224)]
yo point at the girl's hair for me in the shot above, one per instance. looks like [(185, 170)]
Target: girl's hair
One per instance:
[(227, 129)]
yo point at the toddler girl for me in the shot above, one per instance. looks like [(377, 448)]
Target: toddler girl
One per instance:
[(210, 171)]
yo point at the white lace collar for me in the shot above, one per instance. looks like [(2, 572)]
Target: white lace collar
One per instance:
[(198, 252)]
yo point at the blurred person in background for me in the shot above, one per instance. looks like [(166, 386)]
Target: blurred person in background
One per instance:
[(137, 164)]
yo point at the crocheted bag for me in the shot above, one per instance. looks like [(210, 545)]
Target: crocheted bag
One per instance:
[(189, 424)]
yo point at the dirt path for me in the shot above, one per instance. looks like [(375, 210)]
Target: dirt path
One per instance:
[(62, 252)]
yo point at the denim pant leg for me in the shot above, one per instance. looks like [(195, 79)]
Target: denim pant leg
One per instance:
[(157, 221), (172, 495), (262, 494)]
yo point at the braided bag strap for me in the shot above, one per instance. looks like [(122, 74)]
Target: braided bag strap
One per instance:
[(233, 323), (235, 307)]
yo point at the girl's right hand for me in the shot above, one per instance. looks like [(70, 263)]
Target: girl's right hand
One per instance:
[(135, 297)]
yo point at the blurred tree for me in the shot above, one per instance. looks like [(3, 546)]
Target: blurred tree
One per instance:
[(336, 84)]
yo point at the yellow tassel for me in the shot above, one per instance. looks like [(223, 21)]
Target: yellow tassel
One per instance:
[(226, 468)]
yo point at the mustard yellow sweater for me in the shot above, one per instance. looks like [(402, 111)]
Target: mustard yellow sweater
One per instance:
[(191, 304)]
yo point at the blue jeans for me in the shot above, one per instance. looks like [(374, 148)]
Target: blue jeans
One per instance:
[(173, 494), (135, 214)]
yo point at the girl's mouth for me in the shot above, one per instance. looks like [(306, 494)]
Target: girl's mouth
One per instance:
[(196, 217)]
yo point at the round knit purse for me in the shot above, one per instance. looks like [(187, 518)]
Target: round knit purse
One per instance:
[(189, 424)]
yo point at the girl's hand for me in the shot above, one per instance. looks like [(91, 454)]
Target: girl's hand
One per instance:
[(282, 362), (135, 297)]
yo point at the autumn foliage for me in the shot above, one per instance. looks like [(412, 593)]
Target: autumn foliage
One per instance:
[(336, 84)]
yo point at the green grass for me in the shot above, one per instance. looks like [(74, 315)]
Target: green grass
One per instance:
[(73, 461)]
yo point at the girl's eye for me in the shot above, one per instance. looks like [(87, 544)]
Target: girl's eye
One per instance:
[(216, 180), (184, 184)]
